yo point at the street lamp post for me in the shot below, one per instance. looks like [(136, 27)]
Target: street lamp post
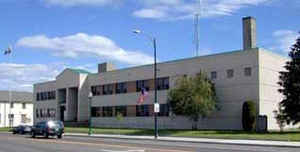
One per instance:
[(153, 40), (90, 112)]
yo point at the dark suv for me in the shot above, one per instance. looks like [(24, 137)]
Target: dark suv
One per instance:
[(48, 128)]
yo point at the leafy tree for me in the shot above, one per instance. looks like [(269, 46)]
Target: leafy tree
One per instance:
[(280, 118), (249, 115), (290, 86), (193, 97)]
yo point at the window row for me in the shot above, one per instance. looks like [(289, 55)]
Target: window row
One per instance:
[(12, 105), (125, 87), (51, 95), (129, 111), (230, 73), (45, 113)]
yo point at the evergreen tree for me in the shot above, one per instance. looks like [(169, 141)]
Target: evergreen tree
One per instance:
[(290, 86)]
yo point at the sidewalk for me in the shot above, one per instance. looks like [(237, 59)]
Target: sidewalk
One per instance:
[(198, 140)]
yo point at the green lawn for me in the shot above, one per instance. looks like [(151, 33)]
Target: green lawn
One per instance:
[(4, 129), (293, 135)]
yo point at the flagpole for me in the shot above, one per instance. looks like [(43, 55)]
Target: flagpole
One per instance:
[(9, 98)]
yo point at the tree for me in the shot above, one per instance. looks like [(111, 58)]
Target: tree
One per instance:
[(249, 116), (290, 86), (280, 118), (193, 97)]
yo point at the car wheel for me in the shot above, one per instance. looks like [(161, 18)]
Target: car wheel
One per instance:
[(59, 136), (32, 134), (46, 135)]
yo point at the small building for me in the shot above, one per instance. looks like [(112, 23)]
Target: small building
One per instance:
[(248, 74), (16, 108)]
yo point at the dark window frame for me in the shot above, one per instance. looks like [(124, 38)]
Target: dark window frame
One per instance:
[(142, 84), (121, 87), (107, 89), (213, 75), (142, 111), (163, 83), (122, 110), (107, 111), (230, 73), (248, 71)]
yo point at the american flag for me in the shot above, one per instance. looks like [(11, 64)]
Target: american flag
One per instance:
[(143, 95), (7, 51)]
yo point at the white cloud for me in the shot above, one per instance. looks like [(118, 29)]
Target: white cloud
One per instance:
[(81, 44), (70, 3), (21, 77), (175, 9), (284, 39)]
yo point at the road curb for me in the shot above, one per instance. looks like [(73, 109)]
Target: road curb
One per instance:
[(198, 140)]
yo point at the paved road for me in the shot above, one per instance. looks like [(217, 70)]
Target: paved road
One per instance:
[(19, 143)]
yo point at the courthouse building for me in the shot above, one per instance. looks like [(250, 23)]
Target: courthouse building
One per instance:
[(247, 74), (16, 108)]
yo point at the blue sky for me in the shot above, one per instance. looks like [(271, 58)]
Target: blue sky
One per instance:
[(50, 35)]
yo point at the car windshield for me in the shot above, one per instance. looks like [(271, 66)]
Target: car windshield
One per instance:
[(55, 124)]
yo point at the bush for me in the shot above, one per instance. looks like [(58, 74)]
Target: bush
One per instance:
[(249, 116)]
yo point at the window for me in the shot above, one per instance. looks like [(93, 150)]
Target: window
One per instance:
[(48, 113), (23, 118), (38, 97), (107, 112), (52, 112), (52, 95), (121, 88), (11, 105), (24, 105), (107, 89), (96, 112), (230, 73), (96, 90), (162, 83), (37, 113), (163, 110), (142, 84), (142, 110), (213, 75), (41, 113), (11, 116), (248, 71), (121, 110)]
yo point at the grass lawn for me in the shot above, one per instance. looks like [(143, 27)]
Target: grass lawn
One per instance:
[(4, 129), (293, 135)]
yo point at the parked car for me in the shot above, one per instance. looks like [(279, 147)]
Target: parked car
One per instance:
[(48, 128), (21, 129)]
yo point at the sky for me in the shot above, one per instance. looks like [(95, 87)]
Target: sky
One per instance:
[(48, 36)]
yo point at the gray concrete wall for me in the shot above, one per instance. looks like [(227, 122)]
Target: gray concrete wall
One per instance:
[(44, 87), (231, 92), (167, 123), (270, 66)]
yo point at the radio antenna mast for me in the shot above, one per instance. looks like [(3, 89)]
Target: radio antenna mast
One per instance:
[(197, 27)]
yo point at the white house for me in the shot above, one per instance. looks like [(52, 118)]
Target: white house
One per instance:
[(15, 108)]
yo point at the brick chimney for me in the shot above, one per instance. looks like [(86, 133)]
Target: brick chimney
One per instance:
[(249, 33), (105, 67)]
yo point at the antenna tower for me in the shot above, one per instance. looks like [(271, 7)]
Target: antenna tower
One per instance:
[(197, 27)]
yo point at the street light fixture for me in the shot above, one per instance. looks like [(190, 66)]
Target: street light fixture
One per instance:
[(156, 105), (90, 96)]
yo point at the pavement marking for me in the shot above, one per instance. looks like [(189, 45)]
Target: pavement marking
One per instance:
[(122, 151), (110, 145)]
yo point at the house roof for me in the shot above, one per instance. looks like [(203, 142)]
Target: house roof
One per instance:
[(16, 96)]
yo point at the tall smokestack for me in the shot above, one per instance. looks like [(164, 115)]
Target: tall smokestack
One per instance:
[(249, 32)]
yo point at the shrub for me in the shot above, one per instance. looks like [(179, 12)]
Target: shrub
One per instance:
[(249, 116)]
